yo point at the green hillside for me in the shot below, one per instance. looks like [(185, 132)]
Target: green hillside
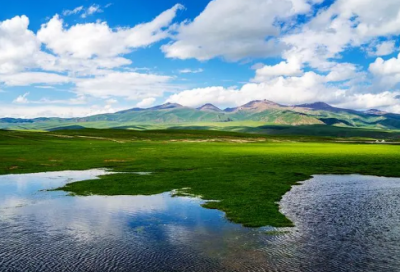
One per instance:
[(259, 116)]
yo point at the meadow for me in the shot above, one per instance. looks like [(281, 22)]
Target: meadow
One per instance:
[(244, 174)]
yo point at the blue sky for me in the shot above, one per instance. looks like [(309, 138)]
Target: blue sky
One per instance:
[(78, 58)]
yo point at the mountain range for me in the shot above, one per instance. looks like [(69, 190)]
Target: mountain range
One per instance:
[(256, 113)]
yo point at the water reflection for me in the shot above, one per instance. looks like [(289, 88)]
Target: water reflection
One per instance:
[(17, 190), (47, 231), (343, 223)]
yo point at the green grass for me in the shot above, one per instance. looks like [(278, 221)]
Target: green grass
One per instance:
[(246, 173)]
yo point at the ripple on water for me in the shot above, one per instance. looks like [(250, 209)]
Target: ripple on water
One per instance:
[(346, 223)]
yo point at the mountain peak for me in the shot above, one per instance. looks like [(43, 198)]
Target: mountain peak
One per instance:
[(256, 106), (208, 107), (166, 106), (260, 102), (316, 106)]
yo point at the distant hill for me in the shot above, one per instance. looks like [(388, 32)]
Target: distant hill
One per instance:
[(318, 106), (253, 113), (209, 107)]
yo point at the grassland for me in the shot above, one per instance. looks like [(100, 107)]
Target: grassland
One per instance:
[(246, 173)]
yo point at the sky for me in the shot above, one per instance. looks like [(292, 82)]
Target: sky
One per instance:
[(81, 57)]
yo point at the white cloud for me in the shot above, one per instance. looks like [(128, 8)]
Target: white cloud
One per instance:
[(78, 100), (111, 101), (386, 72), (17, 45), (385, 48), (317, 47), (346, 23), (45, 87), (72, 11), (20, 51), (291, 90), (191, 71), (85, 12), (388, 67), (233, 29), (393, 108), (215, 94), (342, 71), (81, 67), (285, 68), (375, 18), (92, 10), (129, 85), (22, 99), (29, 78), (98, 39), (145, 103), (369, 101)]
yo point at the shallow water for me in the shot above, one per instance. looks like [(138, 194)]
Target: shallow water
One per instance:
[(50, 231), (343, 223)]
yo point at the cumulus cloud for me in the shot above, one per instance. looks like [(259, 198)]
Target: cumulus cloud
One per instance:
[(285, 68), (234, 29), (346, 23), (374, 19), (82, 49), (98, 39), (384, 48), (318, 45), (145, 103), (388, 67), (342, 71), (17, 45), (309, 87), (368, 101), (387, 72), (22, 99), (286, 90), (83, 55)]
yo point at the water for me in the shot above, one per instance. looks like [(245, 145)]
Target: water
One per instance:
[(343, 223), (50, 231)]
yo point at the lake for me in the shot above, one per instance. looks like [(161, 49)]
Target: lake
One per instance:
[(342, 223)]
